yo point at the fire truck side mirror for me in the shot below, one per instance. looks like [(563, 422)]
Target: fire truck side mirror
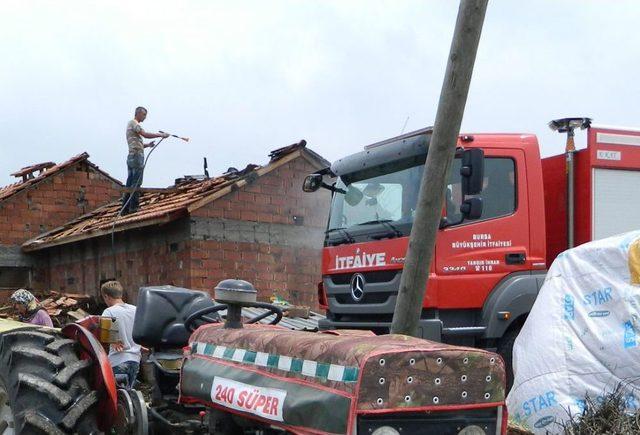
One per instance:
[(312, 183), (472, 171), (471, 208)]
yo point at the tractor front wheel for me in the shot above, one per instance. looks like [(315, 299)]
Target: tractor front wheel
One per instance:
[(44, 386)]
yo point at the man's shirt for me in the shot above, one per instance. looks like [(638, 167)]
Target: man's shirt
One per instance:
[(134, 140), (124, 315)]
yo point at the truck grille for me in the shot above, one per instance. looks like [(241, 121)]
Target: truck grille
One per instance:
[(370, 277), (369, 298)]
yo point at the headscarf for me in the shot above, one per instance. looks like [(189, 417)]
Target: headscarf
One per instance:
[(26, 298)]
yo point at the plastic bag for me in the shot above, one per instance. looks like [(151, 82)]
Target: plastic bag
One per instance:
[(581, 337)]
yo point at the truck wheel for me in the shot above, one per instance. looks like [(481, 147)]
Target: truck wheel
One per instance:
[(505, 349), (44, 386)]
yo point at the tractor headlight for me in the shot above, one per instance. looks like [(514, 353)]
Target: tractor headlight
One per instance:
[(385, 430), (472, 429)]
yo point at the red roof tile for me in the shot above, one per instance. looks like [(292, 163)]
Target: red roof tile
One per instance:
[(156, 205), (51, 169)]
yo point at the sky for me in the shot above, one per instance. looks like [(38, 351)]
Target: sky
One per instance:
[(241, 78)]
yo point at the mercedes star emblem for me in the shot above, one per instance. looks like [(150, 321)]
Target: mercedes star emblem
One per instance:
[(357, 287)]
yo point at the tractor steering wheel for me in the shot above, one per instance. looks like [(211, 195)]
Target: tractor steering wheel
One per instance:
[(189, 322)]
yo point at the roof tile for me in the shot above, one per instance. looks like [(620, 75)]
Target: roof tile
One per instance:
[(155, 204), (51, 169)]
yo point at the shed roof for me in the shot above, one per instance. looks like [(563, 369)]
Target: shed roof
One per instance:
[(164, 205)]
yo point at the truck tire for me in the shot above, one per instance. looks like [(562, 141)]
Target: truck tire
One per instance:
[(44, 386), (505, 349)]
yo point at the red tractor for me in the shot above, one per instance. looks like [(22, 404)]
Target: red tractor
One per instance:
[(212, 377)]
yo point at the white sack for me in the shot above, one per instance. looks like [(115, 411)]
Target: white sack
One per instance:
[(581, 335)]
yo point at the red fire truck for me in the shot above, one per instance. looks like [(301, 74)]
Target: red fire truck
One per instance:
[(488, 264)]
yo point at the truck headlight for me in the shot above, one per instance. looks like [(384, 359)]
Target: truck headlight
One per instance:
[(472, 429), (386, 430)]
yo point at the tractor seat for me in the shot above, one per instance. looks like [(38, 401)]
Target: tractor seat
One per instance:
[(160, 315)]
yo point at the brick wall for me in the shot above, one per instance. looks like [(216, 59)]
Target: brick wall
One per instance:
[(158, 255), (291, 272), (268, 232), (53, 202)]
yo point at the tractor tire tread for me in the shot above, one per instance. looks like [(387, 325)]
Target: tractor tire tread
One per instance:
[(58, 344), (49, 386), (41, 423), (79, 409), (29, 352), (65, 375), (57, 395), (30, 334)]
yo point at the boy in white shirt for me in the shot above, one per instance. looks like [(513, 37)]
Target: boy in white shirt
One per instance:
[(124, 355)]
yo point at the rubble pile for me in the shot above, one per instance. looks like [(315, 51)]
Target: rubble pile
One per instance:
[(62, 307), (65, 307)]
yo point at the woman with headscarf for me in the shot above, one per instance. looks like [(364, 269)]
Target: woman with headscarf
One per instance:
[(29, 311)]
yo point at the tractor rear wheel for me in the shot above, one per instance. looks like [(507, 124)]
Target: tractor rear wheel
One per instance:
[(44, 386)]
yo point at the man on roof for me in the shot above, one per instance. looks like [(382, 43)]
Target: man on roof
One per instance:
[(135, 159)]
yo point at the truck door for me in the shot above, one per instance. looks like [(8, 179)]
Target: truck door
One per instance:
[(473, 256)]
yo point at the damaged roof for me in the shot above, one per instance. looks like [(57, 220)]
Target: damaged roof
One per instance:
[(45, 171), (164, 205)]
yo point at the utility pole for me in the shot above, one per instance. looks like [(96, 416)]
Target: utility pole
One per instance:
[(442, 148)]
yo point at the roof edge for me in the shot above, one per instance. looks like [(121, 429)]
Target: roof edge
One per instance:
[(103, 172), (31, 245), (243, 181), (82, 157), (315, 159)]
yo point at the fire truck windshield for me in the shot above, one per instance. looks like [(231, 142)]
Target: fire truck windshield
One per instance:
[(382, 204)]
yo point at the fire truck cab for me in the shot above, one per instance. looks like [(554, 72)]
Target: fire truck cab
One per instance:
[(486, 271)]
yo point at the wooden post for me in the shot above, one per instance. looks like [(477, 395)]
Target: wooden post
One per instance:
[(441, 152)]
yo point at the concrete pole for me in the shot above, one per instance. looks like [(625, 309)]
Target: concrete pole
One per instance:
[(441, 152)]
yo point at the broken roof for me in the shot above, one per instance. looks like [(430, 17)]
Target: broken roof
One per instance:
[(163, 205), (28, 171), (46, 170)]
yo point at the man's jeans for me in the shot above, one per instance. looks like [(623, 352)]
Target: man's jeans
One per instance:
[(129, 368), (135, 163)]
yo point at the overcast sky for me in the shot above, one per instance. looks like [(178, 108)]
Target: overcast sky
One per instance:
[(244, 77)]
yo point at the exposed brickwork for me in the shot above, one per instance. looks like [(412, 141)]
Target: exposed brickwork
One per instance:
[(149, 256), (179, 255), (290, 272), (274, 198), (52, 202), (277, 197)]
